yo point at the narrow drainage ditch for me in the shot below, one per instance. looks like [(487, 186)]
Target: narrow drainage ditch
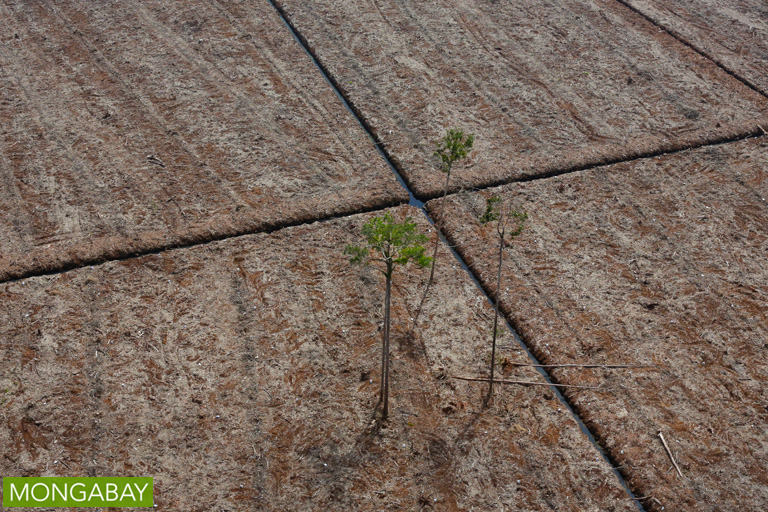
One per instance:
[(414, 201)]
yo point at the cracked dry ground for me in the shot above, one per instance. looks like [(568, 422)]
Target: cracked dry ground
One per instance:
[(169, 306)]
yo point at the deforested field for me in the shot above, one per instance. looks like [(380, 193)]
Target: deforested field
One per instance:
[(665, 266), (546, 86), (136, 126), (733, 33), (178, 182), (242, 375)]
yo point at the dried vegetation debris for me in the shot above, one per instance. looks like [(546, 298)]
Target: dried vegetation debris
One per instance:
[(544, 85), (243, 374), (656, 261), (129, 127), (732, 32)]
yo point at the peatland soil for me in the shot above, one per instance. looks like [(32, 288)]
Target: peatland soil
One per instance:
[(660, 262), (243, 375), (152, 125), (545, 86), (178, 181), (733, 33)]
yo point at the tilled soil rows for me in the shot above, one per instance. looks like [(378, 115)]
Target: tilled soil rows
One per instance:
[(134, 126), (660, 262), (733, 32), (243, 375), (545, 85)]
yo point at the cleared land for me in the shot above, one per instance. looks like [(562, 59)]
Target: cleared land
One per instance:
[(133, 126), (545, 85), (659, 261), (243, 374), (732, 32)]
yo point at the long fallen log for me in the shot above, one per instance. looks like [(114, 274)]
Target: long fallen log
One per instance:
[(573, 365), (525, 383)]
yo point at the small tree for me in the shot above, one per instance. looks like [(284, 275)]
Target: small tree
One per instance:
[(388, 243), (450, 149), (509, 223)]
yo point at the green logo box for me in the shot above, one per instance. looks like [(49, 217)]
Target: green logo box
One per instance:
[(88, 492)]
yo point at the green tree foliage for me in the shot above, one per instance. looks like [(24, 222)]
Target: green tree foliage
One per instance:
[(388, 243), (509, 225), (453, 147)]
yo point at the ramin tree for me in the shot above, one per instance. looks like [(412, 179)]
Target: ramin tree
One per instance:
[(450, 149), (509, 224), (388, 243)]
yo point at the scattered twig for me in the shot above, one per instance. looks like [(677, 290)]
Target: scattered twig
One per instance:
[(154, 160), (762, 130), (669, 452), (173, 198), (526, 383), (584, 365)]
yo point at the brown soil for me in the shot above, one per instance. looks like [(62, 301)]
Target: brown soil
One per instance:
[(153, 124), (733, 32), (242, 375), (659, 261), (544, 85)]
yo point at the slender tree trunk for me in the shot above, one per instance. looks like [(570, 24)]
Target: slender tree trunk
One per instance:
[(434, 252), (383, 351), (496, 318), (385, 355)]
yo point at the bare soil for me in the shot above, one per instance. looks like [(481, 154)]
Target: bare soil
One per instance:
[(734, 32), (136, 126), (544, 85), (659, 261), (243, 374)]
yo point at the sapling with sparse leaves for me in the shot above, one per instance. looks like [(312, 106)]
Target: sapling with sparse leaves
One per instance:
[(454, 146), (388, 243), (509, 225)]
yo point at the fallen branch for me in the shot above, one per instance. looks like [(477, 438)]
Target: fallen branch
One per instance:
[(583, 365), (669, 452), (154, 160), (525, 383)]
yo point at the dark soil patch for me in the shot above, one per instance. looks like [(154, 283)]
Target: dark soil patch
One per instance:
[(660, 261), (545, 86), (130, 127), (242, 375)]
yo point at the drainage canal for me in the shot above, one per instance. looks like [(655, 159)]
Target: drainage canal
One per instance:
[(416, 202)]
